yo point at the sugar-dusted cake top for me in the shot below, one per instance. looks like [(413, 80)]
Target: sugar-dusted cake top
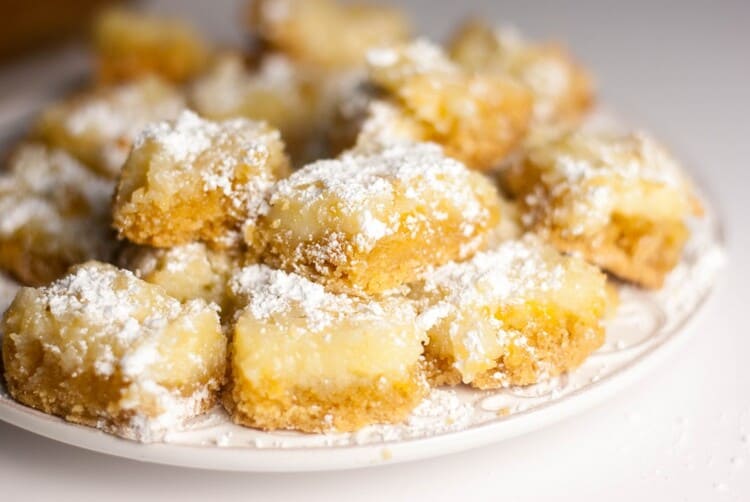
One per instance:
[(271, 294), (373, 187), (590, 176), (514, 272)]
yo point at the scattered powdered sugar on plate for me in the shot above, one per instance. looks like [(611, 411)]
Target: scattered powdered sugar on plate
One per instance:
[(441, 412)]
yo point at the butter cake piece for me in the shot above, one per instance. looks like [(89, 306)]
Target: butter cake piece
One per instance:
[(514, 315), (306, 359), (476, 117), (102, 348), (98, 127), (325, 33), (54, 213), (619, 200), (562, 89), (130, 44), (197, 180), (286, 95), (366, 223), (185, 272)]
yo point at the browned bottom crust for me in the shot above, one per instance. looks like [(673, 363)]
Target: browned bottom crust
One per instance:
[(344, 410), (95, 401)]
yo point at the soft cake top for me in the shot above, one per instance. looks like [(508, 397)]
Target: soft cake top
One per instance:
[(271, 294), (190, 139), (366, 187), (514, 273), (127, 316), (386, 125), (592, 176)]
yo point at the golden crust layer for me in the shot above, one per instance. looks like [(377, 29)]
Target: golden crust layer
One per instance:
[(348, 409)]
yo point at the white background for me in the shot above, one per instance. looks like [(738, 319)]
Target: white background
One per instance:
[(683, 70)]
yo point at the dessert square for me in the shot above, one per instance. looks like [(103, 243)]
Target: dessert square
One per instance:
[(620, 201), (306, 359), (54, 213), (130, 44), (197, 180), (288, 96), (562, 89), (478, 118), (514, 315), (367, 223), (185, 272), (102, 348), (98, 127), (326, 33)]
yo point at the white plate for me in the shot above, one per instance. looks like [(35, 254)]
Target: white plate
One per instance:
[(648, 326)]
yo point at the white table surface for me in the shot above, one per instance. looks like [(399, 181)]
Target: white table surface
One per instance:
[(682, 70)]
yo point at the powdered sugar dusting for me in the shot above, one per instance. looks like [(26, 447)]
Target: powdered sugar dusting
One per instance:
[(268, 293), (361, 183), (441, 412), (586, 177), (509, 273), (105, 320)]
